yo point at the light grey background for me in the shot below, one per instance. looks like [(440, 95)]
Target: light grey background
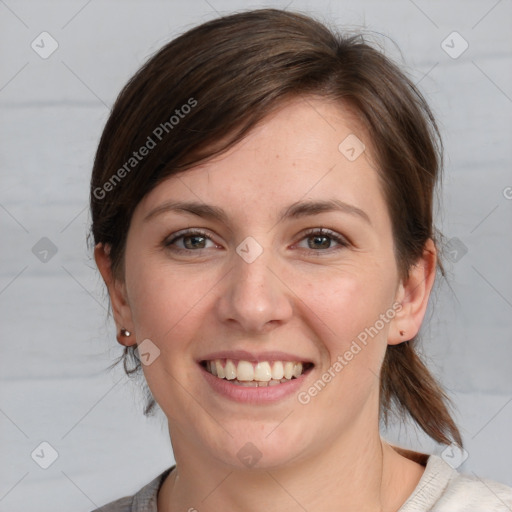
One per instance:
[(56, 342)]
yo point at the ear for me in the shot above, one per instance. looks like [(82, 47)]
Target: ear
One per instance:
[(117, 292), (414, 295)]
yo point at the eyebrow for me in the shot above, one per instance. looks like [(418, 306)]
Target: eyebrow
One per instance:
[(294, 211)]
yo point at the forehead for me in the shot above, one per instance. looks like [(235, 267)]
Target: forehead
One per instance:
[(310, 148)]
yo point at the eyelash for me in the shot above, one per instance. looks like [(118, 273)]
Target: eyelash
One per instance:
[(310, 233)]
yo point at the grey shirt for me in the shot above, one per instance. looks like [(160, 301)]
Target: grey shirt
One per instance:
[(440, 489)]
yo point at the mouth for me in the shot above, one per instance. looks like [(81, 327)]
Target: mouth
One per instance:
[(256, 374)]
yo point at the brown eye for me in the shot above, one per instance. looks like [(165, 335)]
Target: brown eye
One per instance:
[(320, 240), (192, 240)]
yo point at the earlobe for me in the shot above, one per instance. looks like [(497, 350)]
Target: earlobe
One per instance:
[(122, 337), (117, 293), (413, 295)]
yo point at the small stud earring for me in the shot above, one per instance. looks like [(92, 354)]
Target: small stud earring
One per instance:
[(125, 333)]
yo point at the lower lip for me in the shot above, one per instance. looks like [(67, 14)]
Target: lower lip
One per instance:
[(246, 394)]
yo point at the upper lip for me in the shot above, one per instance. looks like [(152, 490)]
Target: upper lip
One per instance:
[(244, 355)]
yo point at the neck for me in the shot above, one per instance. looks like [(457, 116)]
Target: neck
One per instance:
[(358, 472)]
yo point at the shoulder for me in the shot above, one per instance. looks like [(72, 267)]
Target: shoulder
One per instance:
[(469, 493), (144, 500), (443, 489)]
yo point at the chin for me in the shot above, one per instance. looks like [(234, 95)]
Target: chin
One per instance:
[(260, 446)]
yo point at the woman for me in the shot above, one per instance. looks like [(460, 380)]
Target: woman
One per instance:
[(262, 202)]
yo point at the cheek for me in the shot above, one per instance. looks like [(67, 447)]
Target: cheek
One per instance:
[(346, 310), (167, 309), (167, 301), (349, 306), (346, 303)]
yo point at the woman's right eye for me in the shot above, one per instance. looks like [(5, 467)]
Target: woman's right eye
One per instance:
[(192, 240)]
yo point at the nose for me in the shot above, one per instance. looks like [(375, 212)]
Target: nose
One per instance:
[(255, 296)]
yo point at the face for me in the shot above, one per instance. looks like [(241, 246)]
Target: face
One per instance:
[(258, 286)]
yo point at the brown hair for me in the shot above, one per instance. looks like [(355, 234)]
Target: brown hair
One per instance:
[(231, 73)]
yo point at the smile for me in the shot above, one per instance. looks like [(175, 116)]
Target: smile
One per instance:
[(256, 374)]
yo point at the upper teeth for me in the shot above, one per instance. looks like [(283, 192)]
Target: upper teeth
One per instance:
[(262, 371)]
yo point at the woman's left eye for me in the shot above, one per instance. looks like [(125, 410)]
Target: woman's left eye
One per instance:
[(197, 239), (320, 236)]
